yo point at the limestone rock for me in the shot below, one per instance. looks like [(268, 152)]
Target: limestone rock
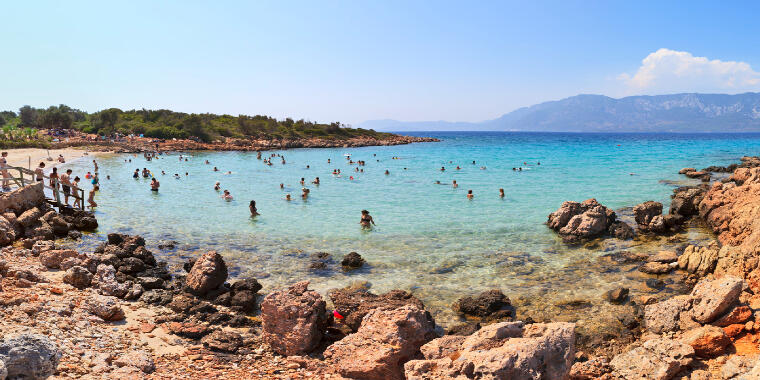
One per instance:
[(106, 307), (53, 258), (138, 359), (384, 342), (710, 299), (577, 221), (665, 316), (707, 341), (656, 359), (698, 260), (29, 356), (354, 304), (78, 277), (293, 319)]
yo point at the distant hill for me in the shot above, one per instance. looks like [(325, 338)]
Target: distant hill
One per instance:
[(598, 113)]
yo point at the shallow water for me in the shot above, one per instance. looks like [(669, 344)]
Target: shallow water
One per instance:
[(429, 238)]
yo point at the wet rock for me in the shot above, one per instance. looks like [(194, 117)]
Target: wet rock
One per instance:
[(74, 235), (685, 201), (697, 174), (106, 307), (707, 341), (699, 260), (578, 221), (664, 257), (591, 369), (713, 298), (293, 319), (655, 283), (656, 268), (248, 284), (506, 350), (627, 257), (29, 356), (490, 305), (245, 300), (352, 261), (169, 244), (53, 258), (666, 315), (401, 332), (645, 212), (138, 359), (115, 239), (618, 295), (223, 341), (464, 329), (657, 359), (355, 304), (208, 273), (621, 230), (78, 277), (686, 170)]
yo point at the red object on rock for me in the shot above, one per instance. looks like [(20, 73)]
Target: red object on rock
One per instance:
[(337, 315)]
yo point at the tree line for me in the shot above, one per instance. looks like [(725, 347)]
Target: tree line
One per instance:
[(167, 124)]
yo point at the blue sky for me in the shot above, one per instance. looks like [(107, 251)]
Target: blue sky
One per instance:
[(352, 61)]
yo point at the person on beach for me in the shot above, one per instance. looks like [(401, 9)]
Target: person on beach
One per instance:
[(75, 190), (252, 208), (40, 172), (217, 186), (91, 197), (4, 166), (227, 196), (66, 185), (154, 184), (366, 221), (454, 184), (501, 193), (469, 194)]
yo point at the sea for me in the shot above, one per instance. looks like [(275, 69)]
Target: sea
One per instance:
[(429, 238)]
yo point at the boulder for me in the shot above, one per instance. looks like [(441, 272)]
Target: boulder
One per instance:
[(645, 212), (654, 267), (78, 277), (105, 281), (40, 246), (53, 258), (618, 295), (354, 304), (685, 201), (578, 221), (490, 305), (699, 260), (7, 232), (739, 314), (666, 315), (621, 230), (29, 356), (656, 359), (29, 217), (138, 359), (293, 319), (664, 257), (591, 369), (710, 299), (223, 341), (385, 341), (707, 341), (506, 350), (208, 273), (106, 307), (686, 170)]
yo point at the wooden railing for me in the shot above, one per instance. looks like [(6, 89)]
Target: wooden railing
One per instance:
[(28, 177)]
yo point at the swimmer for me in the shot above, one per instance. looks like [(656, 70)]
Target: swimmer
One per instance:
[(216, 169), (328, 160), (163, 172), (207, 162), (307, 166), (387, 172), (538, 163), (227, 196), (482, 168), (302, 181), (469, 194), (228, 172), (366, 221), (217, 187), (305, 193), (282, 186), (316, 181), (458, 168), (186, 174), (88, 175), (252, 207), (501, 193), (454, 184), (437, 182), (473, 162), (108, 176), (176, 176), (136, 174), (154, 184), (443, 169), (287, 197)]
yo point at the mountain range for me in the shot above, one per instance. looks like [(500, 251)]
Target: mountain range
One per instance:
[(689, 112)]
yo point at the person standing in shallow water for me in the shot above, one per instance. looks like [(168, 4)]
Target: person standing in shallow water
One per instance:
[(501, 193), (469, 194), (154, 184), (366, 221), (252, 207)]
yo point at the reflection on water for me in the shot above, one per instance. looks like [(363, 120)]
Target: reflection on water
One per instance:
[(429, 238)]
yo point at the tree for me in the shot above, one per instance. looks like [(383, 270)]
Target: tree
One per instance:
[(2, 120), (107, 119), (28, 116), (55, 118)]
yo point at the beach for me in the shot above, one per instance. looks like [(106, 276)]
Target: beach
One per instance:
[(31, 157)]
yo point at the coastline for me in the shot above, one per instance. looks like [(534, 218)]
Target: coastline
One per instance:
[(26, 157), (726, 207)]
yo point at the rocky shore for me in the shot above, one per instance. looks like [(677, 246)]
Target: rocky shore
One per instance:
[(117, 312)]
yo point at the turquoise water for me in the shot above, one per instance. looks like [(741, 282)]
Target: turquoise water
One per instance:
[(429, 238)]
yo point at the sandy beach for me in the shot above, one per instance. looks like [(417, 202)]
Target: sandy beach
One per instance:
[(30, 157)]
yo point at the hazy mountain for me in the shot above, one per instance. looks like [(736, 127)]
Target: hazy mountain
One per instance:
[(598, 113)]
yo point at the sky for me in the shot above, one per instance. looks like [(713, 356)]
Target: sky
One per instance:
[(352, 61)]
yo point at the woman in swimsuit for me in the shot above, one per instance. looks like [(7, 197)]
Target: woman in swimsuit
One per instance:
[(252, 207), (366, 221)]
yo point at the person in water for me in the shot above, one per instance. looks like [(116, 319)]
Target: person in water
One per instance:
[(91, 198), (469, 194), (366, 221), (387, 172), (302, 181), (282, 186), (252, 207), (136, 174), (305, 193), (227, 196), (454, 184), (287, 197), (316, 181), (501, 193), (216, 169), (443, 169), (154, 184), (75, 192), (217, 187)]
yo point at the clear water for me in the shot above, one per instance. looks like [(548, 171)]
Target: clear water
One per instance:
[(429, 238)]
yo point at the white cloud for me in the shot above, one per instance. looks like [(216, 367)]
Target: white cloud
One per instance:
[(670, 71)]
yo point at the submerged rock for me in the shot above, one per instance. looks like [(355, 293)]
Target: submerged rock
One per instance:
[(352, 261), (490, 305)]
